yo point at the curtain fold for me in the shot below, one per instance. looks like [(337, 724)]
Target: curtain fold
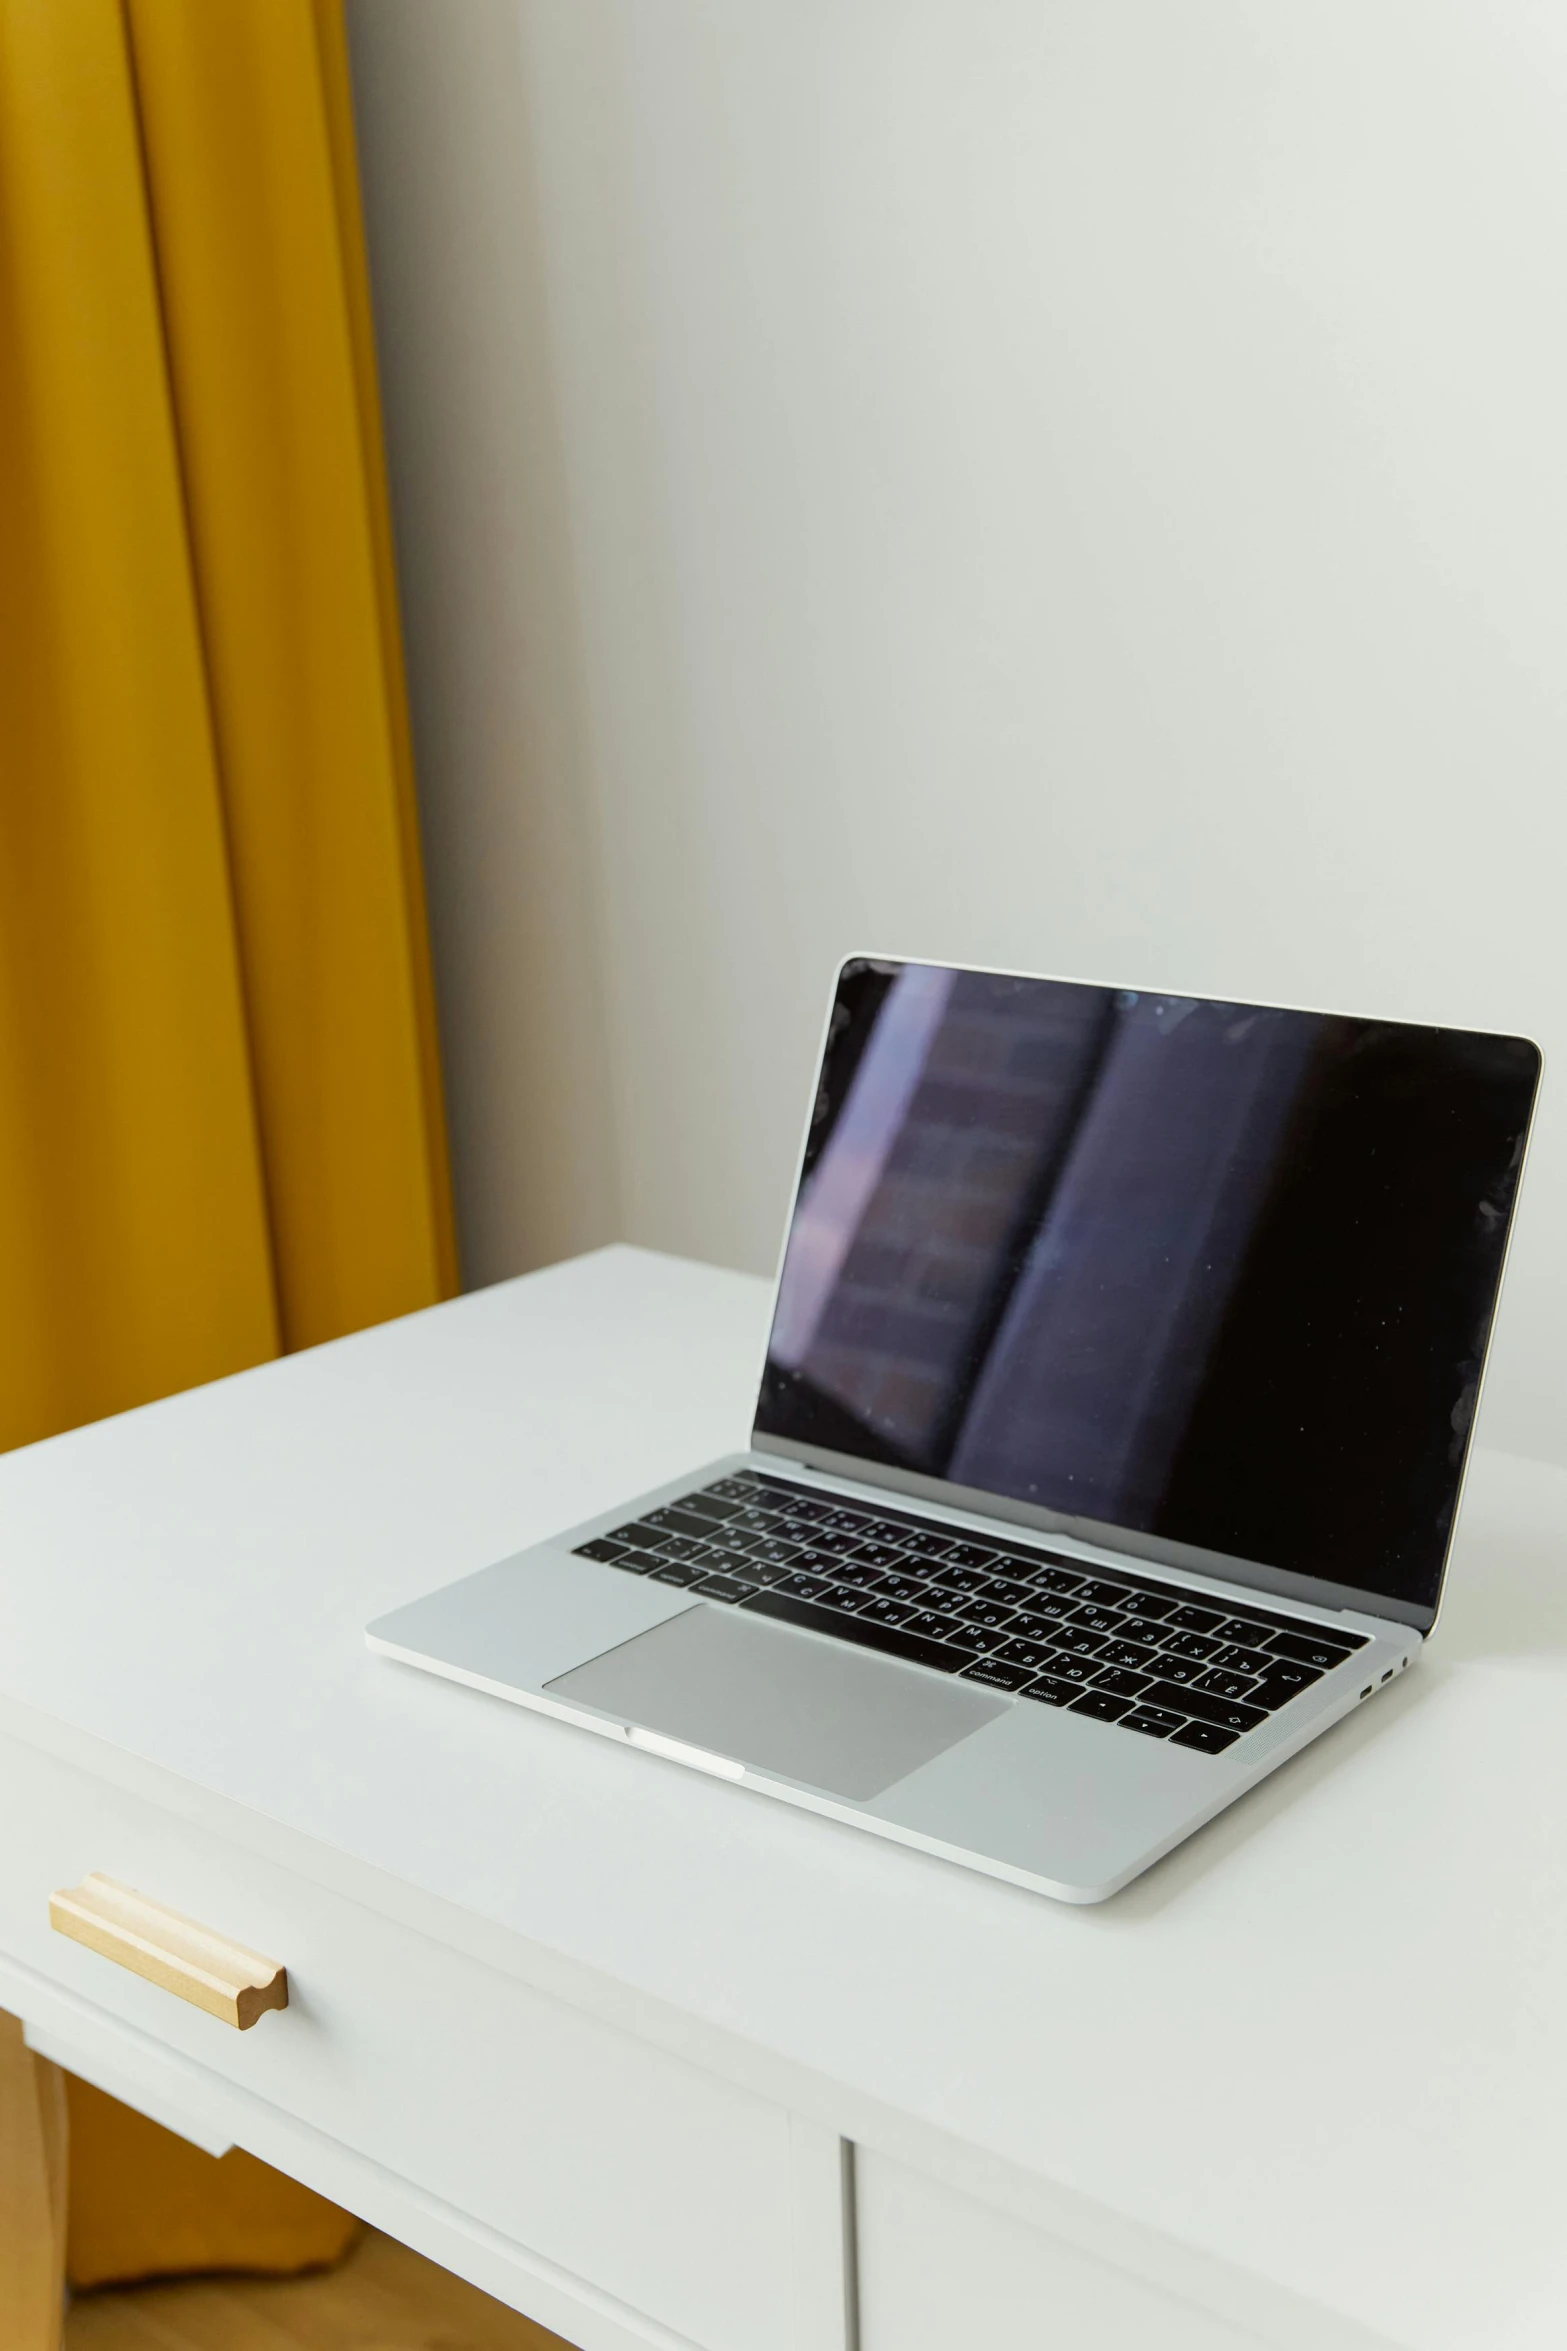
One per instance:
[(221, 1131)]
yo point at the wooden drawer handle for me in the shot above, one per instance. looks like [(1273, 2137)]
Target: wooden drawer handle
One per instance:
[(206, 1969)]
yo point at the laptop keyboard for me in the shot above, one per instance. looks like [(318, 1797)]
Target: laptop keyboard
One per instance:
[(1152, 1657)]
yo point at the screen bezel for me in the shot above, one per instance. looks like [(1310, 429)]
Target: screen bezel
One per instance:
[(1257, 1575)]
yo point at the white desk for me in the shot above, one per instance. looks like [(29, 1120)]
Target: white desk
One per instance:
[(591, 2029)]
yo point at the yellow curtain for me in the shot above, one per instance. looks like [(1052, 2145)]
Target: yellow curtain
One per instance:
[(220, 1120)]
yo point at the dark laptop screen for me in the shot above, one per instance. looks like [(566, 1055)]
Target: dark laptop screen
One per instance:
[(1219, 1274)]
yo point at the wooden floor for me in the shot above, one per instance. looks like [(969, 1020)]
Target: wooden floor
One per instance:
[(383, 2298)]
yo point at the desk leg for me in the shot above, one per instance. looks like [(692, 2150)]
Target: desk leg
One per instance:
[(32, 2193), (825, 2298)]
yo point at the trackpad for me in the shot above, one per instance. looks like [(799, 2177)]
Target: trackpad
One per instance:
[(834, 1717)]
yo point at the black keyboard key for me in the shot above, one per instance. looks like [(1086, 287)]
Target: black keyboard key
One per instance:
[(893, 1640), (1207, 1737), (804, 1587), (1279, 1687), (837, 1542), (899, 1586), (1049, 1608), (780, 1553), (675, 1571), (1050, 1690), (1122, 1684), (603, 1547), (1226, 1685), (810, 1514), (682, 1547), (965, 1554), (931, 1625), (1002, 1588), (1131, 1654), (1179, 1669), (1193, 1645), (1101, 1595), (709, 1505), (1234, 1659), (1100, 1620), (1155, 1604), (858, 1574), (1028, 1625), (926, 1543), (1060, 1579), (1072, 1669), (1100, 1705), (639, 1562), (878, 1554), (957, 1579), (998, 1676), (1142, 1628), (880, 1611), (723, 1587), (1191, 1619), (985, 1612), (755, 1571), (732, 1489), (1080, 1643), (1250, 1636), (1314, 1649), (1229, 1714), (675, 1521), (1153, 1721), (1030, 1653)]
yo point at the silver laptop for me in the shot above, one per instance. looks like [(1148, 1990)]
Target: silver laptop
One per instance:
[(1123, 1362)]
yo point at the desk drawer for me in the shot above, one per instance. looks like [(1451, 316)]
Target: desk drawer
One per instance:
[(937, 2270), (659, 2184)]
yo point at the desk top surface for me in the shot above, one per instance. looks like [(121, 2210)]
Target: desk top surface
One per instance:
[(1326, 2041)]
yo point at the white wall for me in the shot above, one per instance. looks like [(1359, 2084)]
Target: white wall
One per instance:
[(1073, 483)]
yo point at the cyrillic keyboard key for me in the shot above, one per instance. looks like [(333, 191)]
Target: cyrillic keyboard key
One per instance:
[(1235, 1659), (804, 1587), (1073, 1669), (1100, 1620), (1226, 1685), (885, 1611), (1029, 1653), (1192, 1645), (1080, 1644)]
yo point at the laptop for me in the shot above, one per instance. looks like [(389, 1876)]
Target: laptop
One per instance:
[(1124, 1357)]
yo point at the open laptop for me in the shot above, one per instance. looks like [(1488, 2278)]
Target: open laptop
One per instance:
[(1123, 1362)]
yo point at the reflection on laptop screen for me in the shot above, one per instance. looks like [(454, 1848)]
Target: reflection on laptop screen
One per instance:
[(1212, 1272)]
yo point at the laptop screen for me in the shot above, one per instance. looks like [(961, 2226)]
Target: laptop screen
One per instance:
[(1215, 1273)]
